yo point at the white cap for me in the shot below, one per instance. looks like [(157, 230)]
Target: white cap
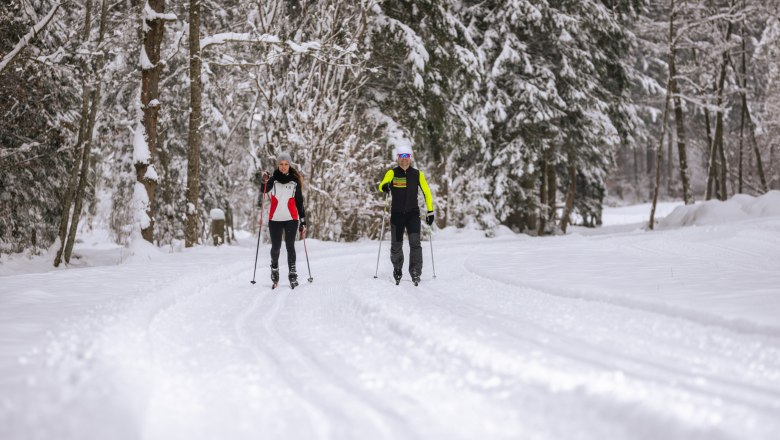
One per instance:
[(403, 149)]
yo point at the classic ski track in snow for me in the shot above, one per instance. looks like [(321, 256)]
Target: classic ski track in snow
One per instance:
[(541, 376), (737, 325), (261, 348), (488, 349), (338, 398), (762, 391)]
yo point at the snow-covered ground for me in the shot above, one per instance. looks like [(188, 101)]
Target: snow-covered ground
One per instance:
[(617, 333)]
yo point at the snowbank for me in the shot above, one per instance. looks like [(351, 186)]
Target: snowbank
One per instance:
[(715, 212)]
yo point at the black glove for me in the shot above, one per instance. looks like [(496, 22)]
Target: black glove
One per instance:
[(386, 187), (429, 218), (266, 176), (302, 225)]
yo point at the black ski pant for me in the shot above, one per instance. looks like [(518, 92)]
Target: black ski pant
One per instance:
[(409, 222), (275, 230)]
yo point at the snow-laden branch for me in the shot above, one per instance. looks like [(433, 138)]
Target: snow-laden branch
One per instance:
[(231, 37), (304, 47), (27, 38), (150, 14)]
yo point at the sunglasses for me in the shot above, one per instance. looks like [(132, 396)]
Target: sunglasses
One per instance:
[(404, 156)]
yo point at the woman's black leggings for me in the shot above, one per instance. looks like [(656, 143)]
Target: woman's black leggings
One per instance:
[(275, 230)]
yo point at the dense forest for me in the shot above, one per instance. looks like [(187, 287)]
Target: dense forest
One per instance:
[(141, 116)]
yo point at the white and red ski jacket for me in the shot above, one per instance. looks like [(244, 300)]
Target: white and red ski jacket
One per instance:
[(286, 198)]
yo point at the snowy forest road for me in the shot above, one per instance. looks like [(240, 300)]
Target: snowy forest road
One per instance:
[(634, 335)]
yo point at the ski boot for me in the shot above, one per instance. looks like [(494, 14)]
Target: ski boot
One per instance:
[(274, 277), (293, 277), (397, 274), (415, 278)]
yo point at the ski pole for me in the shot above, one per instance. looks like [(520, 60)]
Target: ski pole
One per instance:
[(433, 266), (303, 235), (381, 236), (257, 252)]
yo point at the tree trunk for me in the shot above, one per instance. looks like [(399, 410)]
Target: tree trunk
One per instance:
[(720, 150), (570, 194), (682, 153), (150, 81), (669, 161), (552, 193), (759, 163), (543, 200), (67, 201), (712, 158), (717, 169), (193, 151), (83, 174), (747, 118), (659, 153), (90, 100), (741, 142)]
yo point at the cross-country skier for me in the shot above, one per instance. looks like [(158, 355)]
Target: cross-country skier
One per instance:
[(402, 183), (286, 215)]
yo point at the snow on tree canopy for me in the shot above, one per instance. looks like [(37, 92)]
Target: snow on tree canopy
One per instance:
[(217, 214), (395, 135), (418, 56)]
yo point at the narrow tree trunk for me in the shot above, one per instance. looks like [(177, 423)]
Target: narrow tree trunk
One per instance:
[(83, 174), (150, 104), (95, 66), (659, 152), (741, 142), (669, 161), (67, 201), (84, 127), (678, 112), (717, 168), (570, 194), (746, 119), (193, 151), (712, 158), (543, 201), (720, 150), (759, 162), (552, 193)]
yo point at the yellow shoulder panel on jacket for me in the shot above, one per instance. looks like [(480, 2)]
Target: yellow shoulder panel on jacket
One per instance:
[(426, 192)]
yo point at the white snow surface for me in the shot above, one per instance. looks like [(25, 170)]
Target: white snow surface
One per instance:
[(616, 333)]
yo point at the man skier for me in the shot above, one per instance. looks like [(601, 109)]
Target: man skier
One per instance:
[(402, 183)]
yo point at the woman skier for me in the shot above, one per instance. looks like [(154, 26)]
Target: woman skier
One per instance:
[(286, 215)]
